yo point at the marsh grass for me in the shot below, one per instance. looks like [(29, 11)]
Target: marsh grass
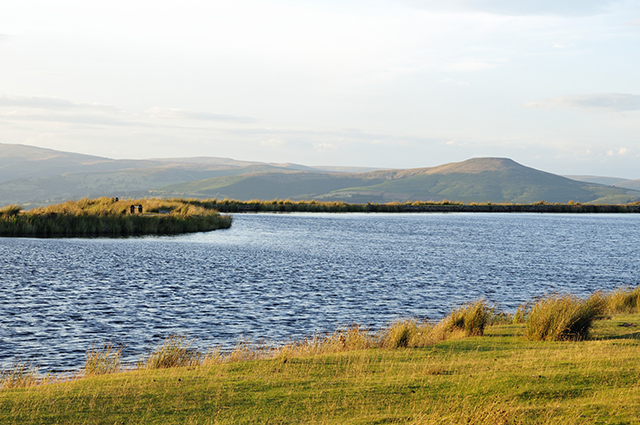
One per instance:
[(559, 317), (470, 318), (10, 210), (108, 217), (20, 374), (175, 351), (288, 205), (102, 360), (623, 300)]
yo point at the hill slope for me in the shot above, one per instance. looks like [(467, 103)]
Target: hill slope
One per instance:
[(474, 180), (33, 176)]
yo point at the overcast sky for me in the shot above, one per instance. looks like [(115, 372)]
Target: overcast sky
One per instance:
[(553, 84)]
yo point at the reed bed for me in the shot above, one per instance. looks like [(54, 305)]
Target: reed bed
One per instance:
[(110, 217), (288, 205)]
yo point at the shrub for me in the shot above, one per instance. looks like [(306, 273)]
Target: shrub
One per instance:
[(563, 317)]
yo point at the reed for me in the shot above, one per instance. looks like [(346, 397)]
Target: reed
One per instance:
[(175, 351), (288, 205), (102, 360), (10, 211), (20, 374), (623, 300)]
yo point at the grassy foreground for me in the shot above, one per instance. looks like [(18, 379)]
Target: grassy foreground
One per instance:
[(498, 378), (110, 217)]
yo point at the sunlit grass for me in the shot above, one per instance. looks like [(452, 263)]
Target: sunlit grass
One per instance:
[(110, 217), (104, 359)]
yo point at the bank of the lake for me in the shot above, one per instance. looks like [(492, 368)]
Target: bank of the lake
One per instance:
[(287, 205), (498, 378), (110, 217)]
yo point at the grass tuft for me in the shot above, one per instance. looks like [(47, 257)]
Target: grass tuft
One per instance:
[(175, 351), (470, 318), (563, 317), (20, 375), (103, 360), (623, 300), (10, 210)]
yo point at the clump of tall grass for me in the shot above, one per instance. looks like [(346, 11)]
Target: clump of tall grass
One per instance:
[(467, 320), (20, 375), (10, 210), (103, 360), (409, 333), (470, 318), (347, 338), (563, 317), (175, 351), (623, 300)]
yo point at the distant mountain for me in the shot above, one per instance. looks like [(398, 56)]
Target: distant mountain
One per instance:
[(474, 180), (35, 176), (609, 181), (32, 175), (629, 184)]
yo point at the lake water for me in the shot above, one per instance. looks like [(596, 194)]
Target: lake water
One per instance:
[(285, 276)]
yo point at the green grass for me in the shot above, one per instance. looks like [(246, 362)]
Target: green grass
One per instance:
[(500, 377), (108, 217)]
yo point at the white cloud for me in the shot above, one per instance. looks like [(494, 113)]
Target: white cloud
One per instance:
[(600, 102), (621, 151), (195, 115), (274, 143), (324, 147), (518, 7)]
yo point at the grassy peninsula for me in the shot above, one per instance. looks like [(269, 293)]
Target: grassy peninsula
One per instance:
[(561, 359), (110, 217)]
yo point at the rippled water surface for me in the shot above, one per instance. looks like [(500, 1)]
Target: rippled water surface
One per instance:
[(279, 276)]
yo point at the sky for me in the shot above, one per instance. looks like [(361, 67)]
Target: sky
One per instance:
[(552, 84)]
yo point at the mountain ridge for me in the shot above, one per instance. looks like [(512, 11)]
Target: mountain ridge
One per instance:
[(31, 175)]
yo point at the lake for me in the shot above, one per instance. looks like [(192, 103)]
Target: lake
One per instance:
[(279, 276)]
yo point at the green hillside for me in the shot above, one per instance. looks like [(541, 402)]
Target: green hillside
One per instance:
[(34, 176), (475, 180)]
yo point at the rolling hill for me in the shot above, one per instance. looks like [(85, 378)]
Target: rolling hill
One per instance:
[(474, 180), (35, 176)]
